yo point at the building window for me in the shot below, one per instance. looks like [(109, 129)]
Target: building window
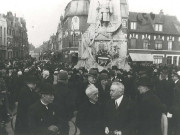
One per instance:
[(158, 27), (169, 45), (4, 41), (179, 61), (145, 44), (158, 59), (5, 32), (133, 43), (158, 45), (169, 60), (0, 31), (175, 60), (133, 25), (0, 40), (75, 23)]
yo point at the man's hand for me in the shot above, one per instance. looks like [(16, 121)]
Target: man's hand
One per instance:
[(53, 128), (117, 132), (106, 130)]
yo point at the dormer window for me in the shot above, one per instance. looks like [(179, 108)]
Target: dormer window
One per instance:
[(133, 25), (158, 27)]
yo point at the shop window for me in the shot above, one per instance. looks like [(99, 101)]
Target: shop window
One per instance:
[(174, 60), (169, 60), (158, 59)]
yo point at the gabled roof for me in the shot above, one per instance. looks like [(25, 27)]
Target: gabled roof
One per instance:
[(146, 21)]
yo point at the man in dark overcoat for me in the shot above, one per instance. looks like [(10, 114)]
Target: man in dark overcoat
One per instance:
[(27, 97), (41, 115), (175, 110), (62, 101), (120, 113), (150, 109), (90, 115)]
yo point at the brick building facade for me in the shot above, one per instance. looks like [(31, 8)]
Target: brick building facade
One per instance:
[(156, 36)]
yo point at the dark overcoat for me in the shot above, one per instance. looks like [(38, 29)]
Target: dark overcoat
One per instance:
[(150, 110), (90, 119), (40, 118), (123, 118), (175, 110), (26, 98)]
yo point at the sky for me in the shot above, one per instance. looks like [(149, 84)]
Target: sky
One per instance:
[(42, 16)]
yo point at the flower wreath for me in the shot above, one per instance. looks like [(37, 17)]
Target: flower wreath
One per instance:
[(103, 53)]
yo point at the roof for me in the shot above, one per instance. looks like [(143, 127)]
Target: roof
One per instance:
[(146, 21), (77, 8), (141, 57)]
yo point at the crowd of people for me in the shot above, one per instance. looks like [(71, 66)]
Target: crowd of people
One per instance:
[(47, 95)]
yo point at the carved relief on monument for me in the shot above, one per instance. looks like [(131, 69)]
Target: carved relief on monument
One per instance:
[(105, 41)]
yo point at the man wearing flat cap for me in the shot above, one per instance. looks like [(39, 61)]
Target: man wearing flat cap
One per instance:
[(175, 110), (90, 115), (27, 97), (150, 109), (41, 115)]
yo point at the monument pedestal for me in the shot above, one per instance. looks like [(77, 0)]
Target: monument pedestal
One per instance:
[(104, 44)]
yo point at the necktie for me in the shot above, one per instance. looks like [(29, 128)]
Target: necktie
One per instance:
[(116, 104)]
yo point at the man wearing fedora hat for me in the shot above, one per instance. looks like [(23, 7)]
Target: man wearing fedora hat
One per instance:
[(92, 76), (41, 115), (150, 109), (91, 80)]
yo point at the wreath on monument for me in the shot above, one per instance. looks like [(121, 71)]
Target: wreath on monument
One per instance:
[(103, 57)]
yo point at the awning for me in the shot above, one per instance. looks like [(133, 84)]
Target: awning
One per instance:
[(141, 57)]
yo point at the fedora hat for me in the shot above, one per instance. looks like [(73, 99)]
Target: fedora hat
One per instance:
[(92, 72)]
